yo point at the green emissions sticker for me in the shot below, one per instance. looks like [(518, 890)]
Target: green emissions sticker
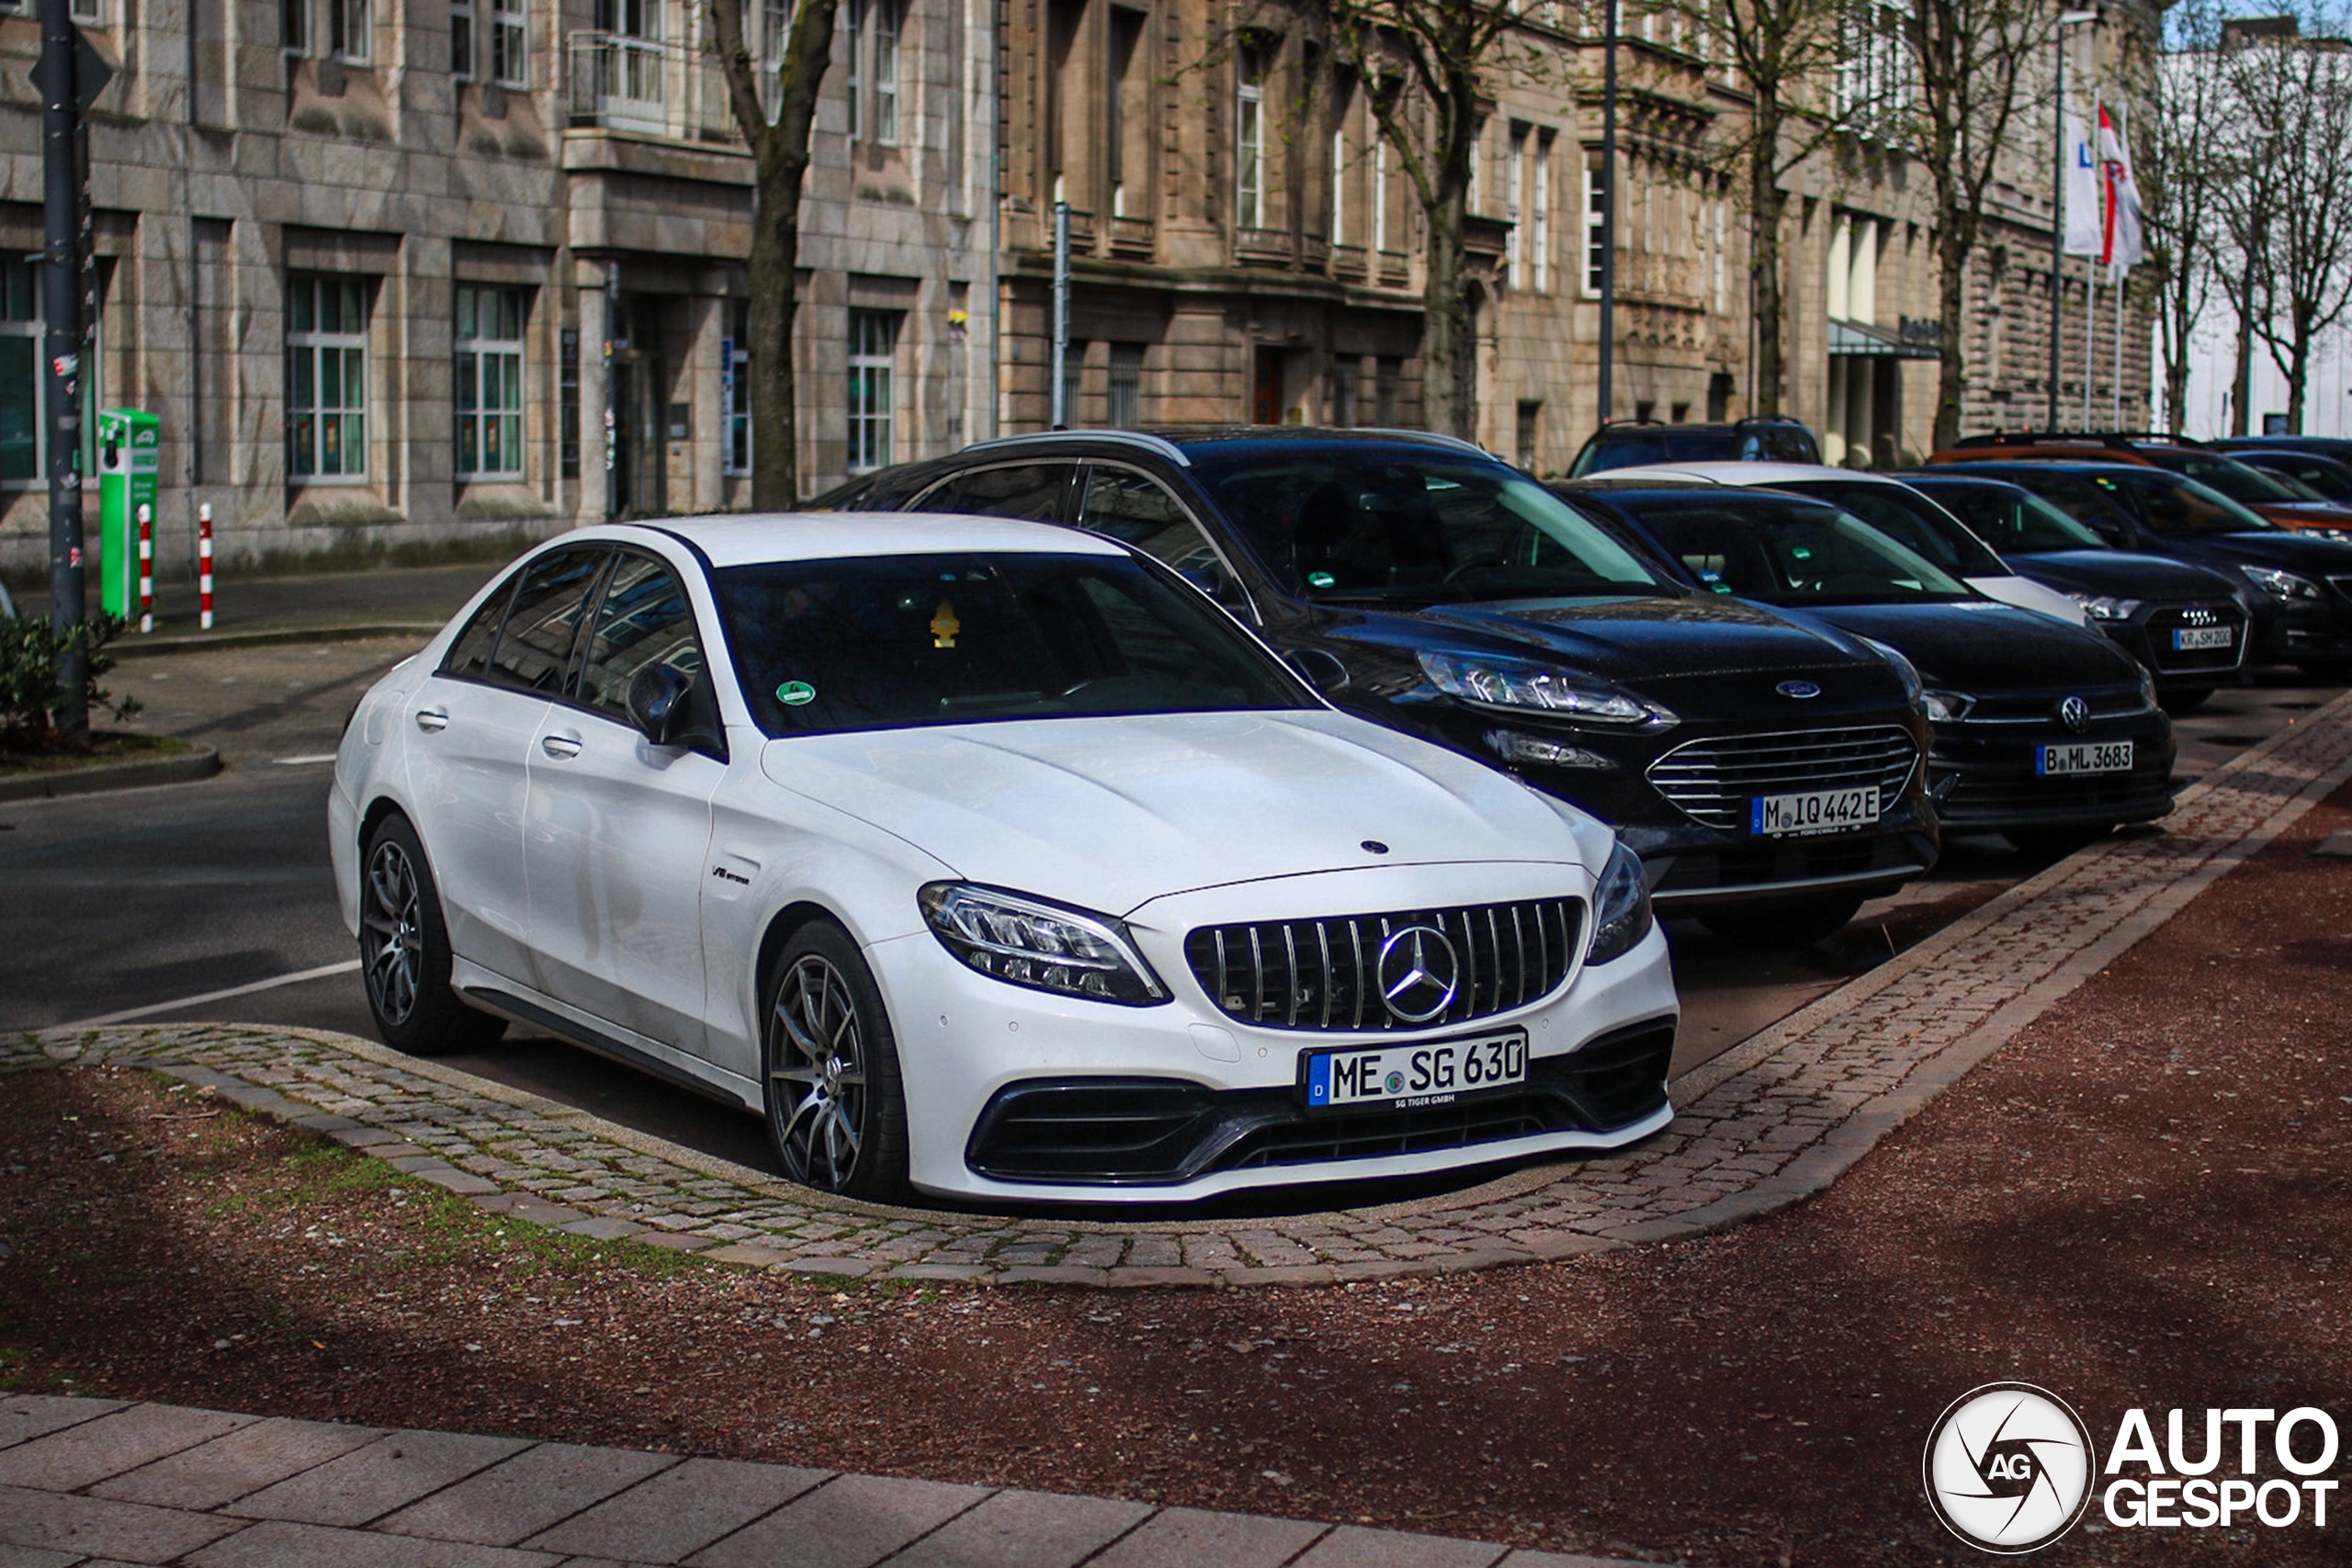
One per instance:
[(795, 693), (1320, 579)]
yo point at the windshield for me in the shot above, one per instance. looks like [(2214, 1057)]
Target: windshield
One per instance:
[(1375, 524), (2012, 519), (2328, 480), (889, 642), (1911, 520), (2239, 481), (1782, 551), (2177, 507)]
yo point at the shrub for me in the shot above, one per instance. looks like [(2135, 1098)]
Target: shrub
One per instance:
[(29, 655)]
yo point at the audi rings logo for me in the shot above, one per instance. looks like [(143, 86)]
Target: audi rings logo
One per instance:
[(1419, 973), (2009, 1467), (2075, 714)]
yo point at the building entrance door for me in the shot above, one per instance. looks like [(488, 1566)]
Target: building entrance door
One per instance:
[(1266, 388)]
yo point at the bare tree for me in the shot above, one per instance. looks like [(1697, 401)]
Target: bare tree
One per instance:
[(2183, 162), (776, 130), (1975, 61)]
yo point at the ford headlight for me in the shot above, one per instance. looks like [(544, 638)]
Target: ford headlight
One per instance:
[(1025, 941), (1527, 687), (2281, 584), (1620, 908), (2106, 606)]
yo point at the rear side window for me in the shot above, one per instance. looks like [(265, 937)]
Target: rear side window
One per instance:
[(535, 650), (470, 655), (1033, 491), (643, 621)]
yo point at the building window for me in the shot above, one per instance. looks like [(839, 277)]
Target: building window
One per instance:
[(351, 31), (873, 359), (461, 40), (1250, 141), (1126, 386), (1596, 206), (1530, 432), (490, 383), (1379, 191), (1343, 391), (776, 35), (1515, 248), (853, 23), (1540, 235), (886, 17), (294, 25), (20, 391), (735, 391), (1128, 108), (326, 378), (1339, 186), (510, 36)]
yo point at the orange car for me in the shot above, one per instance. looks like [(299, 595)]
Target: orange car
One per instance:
[(2282, 500)]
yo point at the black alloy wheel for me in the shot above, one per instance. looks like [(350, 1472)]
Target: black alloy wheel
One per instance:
[(836, 1112), (405, 950)]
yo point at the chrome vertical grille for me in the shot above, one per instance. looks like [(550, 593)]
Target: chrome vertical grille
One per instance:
[(1324, 974)]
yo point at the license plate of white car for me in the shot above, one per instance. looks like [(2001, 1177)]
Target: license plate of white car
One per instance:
[(2083, 757), (1813, 811), (1405, 1077), (2185, 639)]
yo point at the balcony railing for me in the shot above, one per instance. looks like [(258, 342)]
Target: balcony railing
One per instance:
[(649, 87)]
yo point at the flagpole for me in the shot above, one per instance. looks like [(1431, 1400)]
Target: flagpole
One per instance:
[(2122, 276), (2090, 266)]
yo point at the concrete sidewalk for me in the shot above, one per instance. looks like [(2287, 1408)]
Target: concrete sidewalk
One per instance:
[(364, 601), (96, 1482)]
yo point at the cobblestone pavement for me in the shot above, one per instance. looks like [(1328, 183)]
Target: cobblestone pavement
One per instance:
[(1767, 1123), (94, 1482)]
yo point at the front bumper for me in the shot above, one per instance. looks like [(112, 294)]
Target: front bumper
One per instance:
[(1981, 775), (1204, 1104)]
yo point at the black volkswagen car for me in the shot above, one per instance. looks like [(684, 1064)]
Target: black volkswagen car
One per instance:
[(1768, 771), (2047, 734), (2185, 624), (2301, 584)]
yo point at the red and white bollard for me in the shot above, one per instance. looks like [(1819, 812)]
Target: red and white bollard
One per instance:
[(146, 568), (204, 565)]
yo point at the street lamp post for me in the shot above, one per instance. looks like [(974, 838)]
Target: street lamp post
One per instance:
[(1609, 217), (2058, 203)]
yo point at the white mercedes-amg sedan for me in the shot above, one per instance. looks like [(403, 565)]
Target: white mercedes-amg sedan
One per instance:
[(989, 859)]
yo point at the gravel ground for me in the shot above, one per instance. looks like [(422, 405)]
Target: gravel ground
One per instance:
[(2139, 1203)]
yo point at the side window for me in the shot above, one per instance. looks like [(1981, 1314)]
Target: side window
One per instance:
[(534, 651), (470, 655), (1136, 509), (1024, 489), (644, 620)]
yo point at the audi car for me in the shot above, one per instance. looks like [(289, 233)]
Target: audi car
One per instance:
[(983, 859), (2047, 734), (1424, 583)]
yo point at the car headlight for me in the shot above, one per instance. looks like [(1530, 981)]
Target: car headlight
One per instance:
[(2147, 691), (2281, 584), (1947, 707), (1904, 669), (2106, 606), (1620, 908), (1538, 688), (1025, 942), (2341, 535)]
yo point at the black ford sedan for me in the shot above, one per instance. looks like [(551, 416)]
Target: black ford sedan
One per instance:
[(2047, 734), (1768, 770), (2185, 624)]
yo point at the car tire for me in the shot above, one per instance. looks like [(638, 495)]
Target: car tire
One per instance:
[(836, 1108), (2328, 671), (404, 951), (1784, 922), (2188, 699), (2054, 844)]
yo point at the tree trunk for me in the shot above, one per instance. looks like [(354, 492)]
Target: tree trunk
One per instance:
[(1952, 248), (775, 303), (2177, 373), (1448, 334), (2242, 382), (2299, 376), (1770, 203)]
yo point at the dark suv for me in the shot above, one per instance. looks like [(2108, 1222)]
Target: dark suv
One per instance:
[(1768, 773), (1631, 442)]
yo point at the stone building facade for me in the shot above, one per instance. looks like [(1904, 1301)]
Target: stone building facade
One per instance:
[(425, 275)]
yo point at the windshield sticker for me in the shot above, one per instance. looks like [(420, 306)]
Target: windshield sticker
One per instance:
[(795, 693), (944, 626), (1320, 579)]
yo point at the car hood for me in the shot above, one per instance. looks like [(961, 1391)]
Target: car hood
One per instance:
[(2124, 574), (1986, 647), (1109, 813), (2306, 513), (2286, 550)]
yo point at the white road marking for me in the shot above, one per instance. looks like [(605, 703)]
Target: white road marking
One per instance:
[(348, 966), (298, 761)]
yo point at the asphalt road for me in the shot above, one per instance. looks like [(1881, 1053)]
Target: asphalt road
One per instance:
[(152, 901)]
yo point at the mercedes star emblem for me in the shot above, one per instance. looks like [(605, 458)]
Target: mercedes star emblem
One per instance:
[(1419, 973)]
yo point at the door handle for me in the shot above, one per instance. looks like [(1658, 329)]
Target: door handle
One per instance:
[(562, 748), (431, 720)]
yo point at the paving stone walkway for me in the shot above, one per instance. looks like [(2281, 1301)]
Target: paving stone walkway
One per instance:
[(1767, 1123), (96, 1482)]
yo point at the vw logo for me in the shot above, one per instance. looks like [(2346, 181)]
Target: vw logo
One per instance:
[(2009, 1468), (2075, 714), (1798, 689), (1419, 973)]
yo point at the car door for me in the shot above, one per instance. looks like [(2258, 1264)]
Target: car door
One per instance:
[(473, 723), (616, 827), (1136, 509)]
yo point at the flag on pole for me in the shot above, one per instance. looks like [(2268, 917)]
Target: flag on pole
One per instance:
[(2084, 223), (2123, 244)]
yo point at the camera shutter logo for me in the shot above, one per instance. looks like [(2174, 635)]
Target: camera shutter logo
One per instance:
[(2009, 1467)]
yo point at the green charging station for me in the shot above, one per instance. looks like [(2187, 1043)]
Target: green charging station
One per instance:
[(129, 444)]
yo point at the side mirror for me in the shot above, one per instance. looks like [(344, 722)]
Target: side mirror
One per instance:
[(1321, 668), (661, 704)]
